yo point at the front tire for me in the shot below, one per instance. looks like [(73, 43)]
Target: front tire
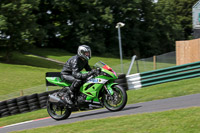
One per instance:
[(118, 100), (58, 112)]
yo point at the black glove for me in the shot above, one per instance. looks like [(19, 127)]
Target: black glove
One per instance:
[(96, 71), (92, 72)]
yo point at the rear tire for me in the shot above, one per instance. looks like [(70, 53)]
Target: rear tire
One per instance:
[(119, 99), (58, 112)]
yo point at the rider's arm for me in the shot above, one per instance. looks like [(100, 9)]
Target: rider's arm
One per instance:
[(76, 73), (87, 67)]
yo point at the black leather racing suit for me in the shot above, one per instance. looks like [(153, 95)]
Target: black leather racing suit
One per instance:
[(71, 71)]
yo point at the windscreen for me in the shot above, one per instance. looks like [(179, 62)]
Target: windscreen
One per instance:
[(104, 66)]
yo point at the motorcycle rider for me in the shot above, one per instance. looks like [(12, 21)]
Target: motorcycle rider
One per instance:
[(71, 71)]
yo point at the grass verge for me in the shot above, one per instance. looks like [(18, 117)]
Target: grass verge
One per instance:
[(25, 72), (171, 89), (62, 55), (29, 71), (18, 77), (23, 117), (179, 121)]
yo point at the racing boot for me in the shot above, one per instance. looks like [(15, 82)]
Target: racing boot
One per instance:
[(68, 90), (67, 99), (71, 93)]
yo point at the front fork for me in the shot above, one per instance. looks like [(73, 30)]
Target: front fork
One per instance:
[(109, 90)]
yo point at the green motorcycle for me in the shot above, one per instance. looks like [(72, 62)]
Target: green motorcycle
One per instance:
[(97, 91)]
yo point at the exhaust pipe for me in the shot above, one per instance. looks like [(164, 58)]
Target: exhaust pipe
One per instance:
[(55, 99)]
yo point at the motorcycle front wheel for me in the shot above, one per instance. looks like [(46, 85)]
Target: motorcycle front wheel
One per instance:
[(58, 112), (117, 101)]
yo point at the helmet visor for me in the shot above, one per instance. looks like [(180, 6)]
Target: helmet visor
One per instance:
[(87, 54)]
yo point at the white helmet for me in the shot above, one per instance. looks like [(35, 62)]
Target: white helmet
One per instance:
[(84, 51)]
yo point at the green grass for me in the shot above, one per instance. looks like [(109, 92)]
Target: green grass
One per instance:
[(25, 72), (179, 121), (57, 54), (19, 77), (28, 72), (63, 56), (171, 89), (30, 60), (23, 117), (149, 66)]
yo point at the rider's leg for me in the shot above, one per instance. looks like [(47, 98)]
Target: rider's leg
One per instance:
[(69, 79), (75, 85)]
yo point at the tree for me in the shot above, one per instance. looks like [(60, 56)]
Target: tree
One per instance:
[(70, 23), (151, 28), (168, 27), (183, 9), (18, 25), (173, 21)]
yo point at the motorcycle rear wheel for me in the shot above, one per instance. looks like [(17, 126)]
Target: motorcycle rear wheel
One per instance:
[(58, 112), (118, 101)]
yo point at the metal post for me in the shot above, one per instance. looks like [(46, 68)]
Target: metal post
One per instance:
[(120, 49), (47, 88), (154, 62), (120, 24), (21, 93), (138, 71), (131, 65)]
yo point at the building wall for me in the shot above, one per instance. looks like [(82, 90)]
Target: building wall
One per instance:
[(187, 51), (195, 15), (195, 18)]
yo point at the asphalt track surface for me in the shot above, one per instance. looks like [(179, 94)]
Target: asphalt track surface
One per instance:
[(145, 107)]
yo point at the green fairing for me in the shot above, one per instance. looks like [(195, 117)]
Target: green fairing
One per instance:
[(83, 72), (93, 91), (57, 81)]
